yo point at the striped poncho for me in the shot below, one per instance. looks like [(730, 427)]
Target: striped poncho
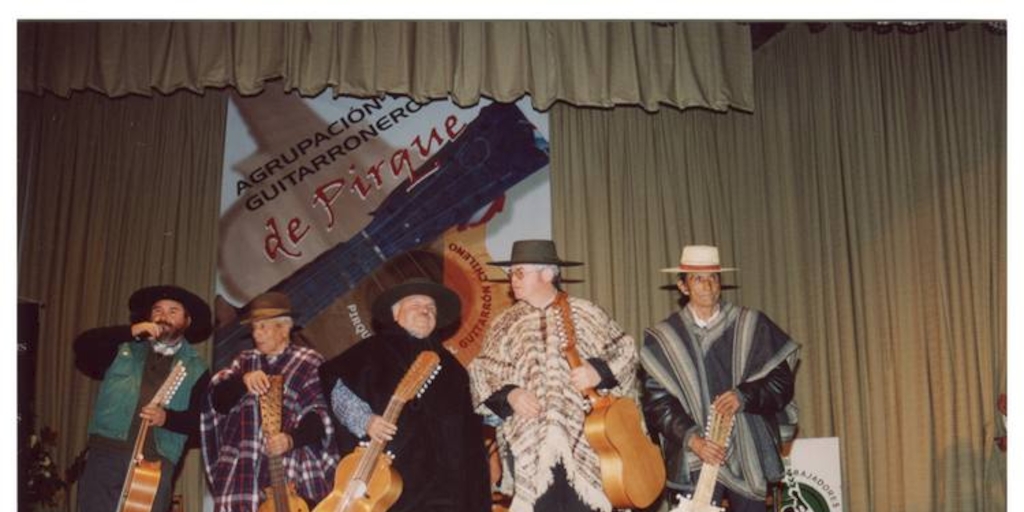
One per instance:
[(232, 443), (523, 348), (694, 364)]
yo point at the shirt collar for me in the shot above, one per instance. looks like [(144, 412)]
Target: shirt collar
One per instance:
[(703, 324), (167, 349)]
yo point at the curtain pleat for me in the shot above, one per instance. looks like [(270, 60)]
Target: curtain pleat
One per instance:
[(864, 203), (586, 63), (114, 195)]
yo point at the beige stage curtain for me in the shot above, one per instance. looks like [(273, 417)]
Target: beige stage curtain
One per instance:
[(592, 63), (864, 203), (114, 194)]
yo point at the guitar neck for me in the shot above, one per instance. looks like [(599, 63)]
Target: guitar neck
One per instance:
[(706, 483), (376, 448), (571, 354), (140, 439), (279, 481), (497, 150)]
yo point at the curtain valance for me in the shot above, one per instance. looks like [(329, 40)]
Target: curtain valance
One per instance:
[(584, 63)]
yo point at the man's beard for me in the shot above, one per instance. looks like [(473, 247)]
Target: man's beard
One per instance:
[(168, 332)]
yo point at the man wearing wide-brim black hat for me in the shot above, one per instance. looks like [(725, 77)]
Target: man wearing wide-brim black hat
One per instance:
[(438, 445), (522, 376), (133, 361)]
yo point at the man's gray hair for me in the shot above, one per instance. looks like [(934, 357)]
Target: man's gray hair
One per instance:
[(286, 320)]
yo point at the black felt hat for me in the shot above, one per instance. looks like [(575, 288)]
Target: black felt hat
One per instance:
[(141, 303), (449, 306), (540, 252)]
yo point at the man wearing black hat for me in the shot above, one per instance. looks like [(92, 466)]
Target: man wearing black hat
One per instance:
[(236, 452), (438, 446), (522, 376), (133, 361)]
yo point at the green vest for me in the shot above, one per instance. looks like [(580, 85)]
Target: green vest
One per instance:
[(119, 395)]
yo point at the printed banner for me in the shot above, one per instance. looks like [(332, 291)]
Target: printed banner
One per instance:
[(333, 200)]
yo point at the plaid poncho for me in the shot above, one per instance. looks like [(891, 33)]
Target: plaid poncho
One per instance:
[(232, 442)]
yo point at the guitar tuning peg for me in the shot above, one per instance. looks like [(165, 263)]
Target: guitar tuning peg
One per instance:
[(390, 455), (364, 444)]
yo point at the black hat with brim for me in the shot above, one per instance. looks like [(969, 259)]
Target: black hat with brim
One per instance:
[(538, 252), (141, 303), (449, 307)]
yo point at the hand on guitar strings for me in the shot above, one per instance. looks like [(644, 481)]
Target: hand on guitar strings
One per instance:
[(584, 377), (524, 403), (728, 403), (380, 429), (278, 444), (156, 415), (707, 451), (256, 382)]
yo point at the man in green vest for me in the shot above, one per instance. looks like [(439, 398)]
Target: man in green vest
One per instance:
[(133, 361)]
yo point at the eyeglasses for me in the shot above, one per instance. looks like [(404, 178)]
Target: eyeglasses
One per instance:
[(519, 273)]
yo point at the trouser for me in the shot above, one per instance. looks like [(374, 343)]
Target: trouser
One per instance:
[(99, 489), (561, 497)]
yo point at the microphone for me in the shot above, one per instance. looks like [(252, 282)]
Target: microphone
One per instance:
[(146, 335)]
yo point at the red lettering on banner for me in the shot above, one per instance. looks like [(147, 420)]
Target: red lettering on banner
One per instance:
[(273, 244), (434, 137), (402, 155), (326, 194), (450, 123)]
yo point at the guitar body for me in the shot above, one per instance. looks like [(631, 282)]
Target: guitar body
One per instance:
[(632, 470), (295, 503), (144, 481), (383, 487)]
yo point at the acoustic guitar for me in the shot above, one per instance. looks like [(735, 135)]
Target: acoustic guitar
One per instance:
[(281, 496), (365, 480), (717, 431), (632, 469), (143, 478)]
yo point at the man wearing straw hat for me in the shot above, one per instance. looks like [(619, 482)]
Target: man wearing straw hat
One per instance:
[(234, 448), (522, 376), (716, 354)]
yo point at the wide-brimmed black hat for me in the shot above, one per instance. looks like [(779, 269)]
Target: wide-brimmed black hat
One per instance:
[(141, 303), (540, 252), (449, 306), (268, 305)]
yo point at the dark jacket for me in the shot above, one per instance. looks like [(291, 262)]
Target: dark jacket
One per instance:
[(439, 448)]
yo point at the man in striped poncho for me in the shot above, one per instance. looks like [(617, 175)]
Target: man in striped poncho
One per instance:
[(735, 359)]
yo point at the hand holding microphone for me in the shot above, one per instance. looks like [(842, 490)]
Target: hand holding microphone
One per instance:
[(148, 330)]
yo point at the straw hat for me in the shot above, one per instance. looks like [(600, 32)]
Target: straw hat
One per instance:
[(699, 258)]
